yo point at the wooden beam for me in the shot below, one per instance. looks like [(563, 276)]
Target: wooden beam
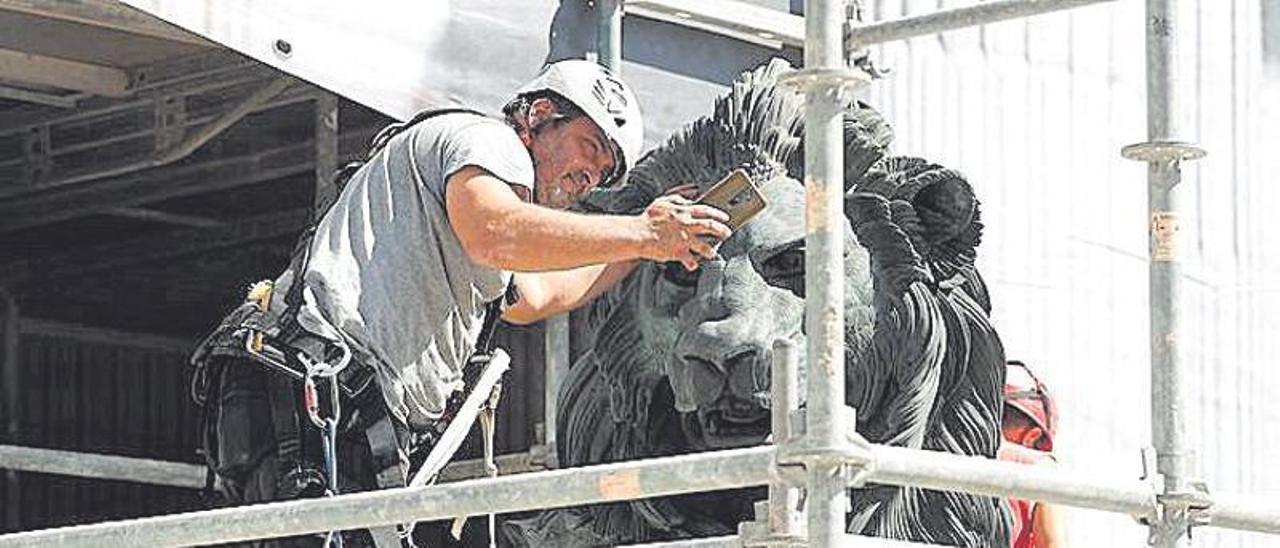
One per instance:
[(39, 98), (147, 249), (105, 335), (107, 14), (156, 215), (103, 196), (30, 68)]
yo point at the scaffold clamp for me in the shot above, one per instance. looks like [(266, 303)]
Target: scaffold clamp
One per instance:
[(843, 79), (1163, 152)]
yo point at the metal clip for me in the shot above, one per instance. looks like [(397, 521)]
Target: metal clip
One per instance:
[(311, 401)]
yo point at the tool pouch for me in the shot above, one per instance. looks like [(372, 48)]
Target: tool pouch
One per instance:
[(230, 389)]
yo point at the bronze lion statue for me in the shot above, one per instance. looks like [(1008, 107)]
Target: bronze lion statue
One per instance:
[(680, 360)]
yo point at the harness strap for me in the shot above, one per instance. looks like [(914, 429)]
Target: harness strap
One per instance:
[(488, 426), (493, 313), (390, 471), (296, 479), (483, 394)]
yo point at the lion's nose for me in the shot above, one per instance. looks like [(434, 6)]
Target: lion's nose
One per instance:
[(731, 373)]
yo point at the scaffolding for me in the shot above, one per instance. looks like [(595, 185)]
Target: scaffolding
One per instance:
[(815, 449)]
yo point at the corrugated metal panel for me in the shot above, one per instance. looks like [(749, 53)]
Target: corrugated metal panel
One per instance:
[(134, 402), (1035, 112), (101, 398)]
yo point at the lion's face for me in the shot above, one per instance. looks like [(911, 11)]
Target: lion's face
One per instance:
[(713, 329)]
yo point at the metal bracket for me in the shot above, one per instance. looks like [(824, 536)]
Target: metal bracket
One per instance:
[(860, 57), (757, 534), (1175, 513), (171, 117), (842, 79), (788, 473), (854, 455), (1163, 152), (35, 150), (1179, 513)]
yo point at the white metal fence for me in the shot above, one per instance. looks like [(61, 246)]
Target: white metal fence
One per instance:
[(1034, 112)]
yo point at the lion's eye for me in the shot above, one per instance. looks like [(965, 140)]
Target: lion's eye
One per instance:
[(676, 273), (786, 270)]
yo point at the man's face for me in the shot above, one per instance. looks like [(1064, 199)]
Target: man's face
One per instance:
[(570, 157)]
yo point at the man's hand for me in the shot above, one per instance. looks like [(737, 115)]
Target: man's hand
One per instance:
[(544, 294), (684, 231)]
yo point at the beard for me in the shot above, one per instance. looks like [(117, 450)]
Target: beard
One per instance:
[(552, 194)]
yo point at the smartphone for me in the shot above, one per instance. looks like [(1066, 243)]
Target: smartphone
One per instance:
[(737, 196)]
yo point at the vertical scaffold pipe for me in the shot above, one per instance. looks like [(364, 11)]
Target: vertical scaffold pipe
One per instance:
[(11, 381), (609, 34), (1164, 155), (827, 499), (784, 499), (1168, 412)]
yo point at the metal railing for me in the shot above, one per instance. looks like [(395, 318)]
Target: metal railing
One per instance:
[(826, 458)]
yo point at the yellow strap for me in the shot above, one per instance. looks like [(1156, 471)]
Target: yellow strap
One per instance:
[(260, 294)]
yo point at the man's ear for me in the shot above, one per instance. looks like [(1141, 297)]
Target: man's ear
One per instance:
[(541, 110)]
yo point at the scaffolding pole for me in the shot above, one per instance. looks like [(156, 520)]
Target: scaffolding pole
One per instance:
[(825, 450), (1181, 505), (108, 467), (731, 469), (80, 464), (609, 34), (555, 366), (11, 379), (784, 515), (940, 21)]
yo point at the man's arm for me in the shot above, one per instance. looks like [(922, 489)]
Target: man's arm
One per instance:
[(545, 294), (499, 230)]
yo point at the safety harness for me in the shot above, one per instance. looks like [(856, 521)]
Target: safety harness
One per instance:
[(317, 374)]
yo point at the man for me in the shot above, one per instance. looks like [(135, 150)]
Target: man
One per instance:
[(399, 272), (1029, 424)]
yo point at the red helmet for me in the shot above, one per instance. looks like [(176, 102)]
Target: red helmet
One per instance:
[(1024, 392)]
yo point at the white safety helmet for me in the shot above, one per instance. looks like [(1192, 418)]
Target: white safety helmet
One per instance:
[(604, 98)]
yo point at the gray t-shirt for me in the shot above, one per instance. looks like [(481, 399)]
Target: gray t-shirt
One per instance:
[(388, 272)]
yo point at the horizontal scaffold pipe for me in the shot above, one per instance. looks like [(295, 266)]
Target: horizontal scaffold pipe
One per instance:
[(860, 36), (980, 476), (730, 469), (1249, 514), (108, 467), (181, 474)]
